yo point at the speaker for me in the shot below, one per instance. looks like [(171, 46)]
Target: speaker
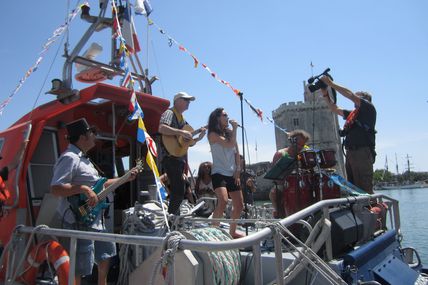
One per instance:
[(346, 231)]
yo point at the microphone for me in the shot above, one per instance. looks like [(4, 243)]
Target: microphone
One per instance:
[(239, 126)]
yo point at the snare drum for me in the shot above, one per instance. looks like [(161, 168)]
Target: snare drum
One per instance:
[(328, 189), (308, 159), (297, 193), (327, 158)]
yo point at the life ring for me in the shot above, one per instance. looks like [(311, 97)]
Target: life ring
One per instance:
[(50, 251)]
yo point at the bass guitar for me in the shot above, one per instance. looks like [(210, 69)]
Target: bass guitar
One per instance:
[(86, 214), (177, 145)]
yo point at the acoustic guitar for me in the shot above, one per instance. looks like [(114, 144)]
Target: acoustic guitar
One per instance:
[(177, 145)]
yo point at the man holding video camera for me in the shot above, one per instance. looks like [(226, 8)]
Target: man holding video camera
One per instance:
[(359, 133)]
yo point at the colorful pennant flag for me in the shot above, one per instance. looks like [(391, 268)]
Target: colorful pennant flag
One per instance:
[(152, 164), (143, 7), (127, 78), (134, 108), (258, 112), (143, 136)]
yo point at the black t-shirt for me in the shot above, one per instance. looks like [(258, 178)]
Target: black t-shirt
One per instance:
[(362, 132)]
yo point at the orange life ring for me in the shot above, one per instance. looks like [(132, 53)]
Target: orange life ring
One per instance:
[(4, 192), (50, 251), (4, 197)]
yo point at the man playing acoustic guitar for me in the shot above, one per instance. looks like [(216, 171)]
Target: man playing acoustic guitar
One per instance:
[(74, 174), (174, 128)]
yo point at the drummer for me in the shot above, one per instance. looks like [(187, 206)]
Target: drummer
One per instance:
[(298, 140)]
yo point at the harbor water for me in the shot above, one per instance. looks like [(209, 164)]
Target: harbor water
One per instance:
[(413, 216)]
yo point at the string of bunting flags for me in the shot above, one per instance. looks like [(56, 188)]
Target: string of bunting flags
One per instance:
[(196, 61), (55, 35)]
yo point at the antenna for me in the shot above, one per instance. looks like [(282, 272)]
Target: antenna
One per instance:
[(312, 69)]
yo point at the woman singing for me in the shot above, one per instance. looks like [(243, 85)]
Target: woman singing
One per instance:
[(226, 166)]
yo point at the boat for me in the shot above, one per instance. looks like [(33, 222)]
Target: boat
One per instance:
[(326, 239), (393, 185), (403, 185)]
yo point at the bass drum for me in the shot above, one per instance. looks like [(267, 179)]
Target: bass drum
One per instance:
[(325, 189), (297, 193)]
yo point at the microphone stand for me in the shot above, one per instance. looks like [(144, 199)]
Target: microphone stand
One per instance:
[(297, 196), (241, 98)]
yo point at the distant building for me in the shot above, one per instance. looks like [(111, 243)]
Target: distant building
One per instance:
[(313, 116)]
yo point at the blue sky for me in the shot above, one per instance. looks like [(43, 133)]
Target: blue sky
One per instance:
[(263, 48)]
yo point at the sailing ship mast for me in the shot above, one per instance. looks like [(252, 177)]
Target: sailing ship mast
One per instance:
[(385, 169), (396, 163)]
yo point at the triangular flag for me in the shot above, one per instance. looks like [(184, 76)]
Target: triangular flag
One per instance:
[(134, 108)]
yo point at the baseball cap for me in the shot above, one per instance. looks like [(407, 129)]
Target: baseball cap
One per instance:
[(183, 95)]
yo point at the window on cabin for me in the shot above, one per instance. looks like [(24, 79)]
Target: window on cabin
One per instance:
[(40, 170)]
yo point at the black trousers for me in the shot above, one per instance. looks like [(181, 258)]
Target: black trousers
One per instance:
[(174, 168)]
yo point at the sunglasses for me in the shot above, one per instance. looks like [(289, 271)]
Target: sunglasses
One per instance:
[(93, 130)]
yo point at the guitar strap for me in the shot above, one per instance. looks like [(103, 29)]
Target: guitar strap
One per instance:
[(100, 172)]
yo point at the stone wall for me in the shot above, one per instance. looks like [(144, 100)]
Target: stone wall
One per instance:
[(313, 116)]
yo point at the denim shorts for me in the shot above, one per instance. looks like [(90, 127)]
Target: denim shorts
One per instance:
[(89, 252)]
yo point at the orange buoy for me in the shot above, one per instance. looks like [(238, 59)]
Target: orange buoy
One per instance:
[(50, 251)]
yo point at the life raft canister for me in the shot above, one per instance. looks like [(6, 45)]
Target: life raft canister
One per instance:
[(4, 195), (50, 251)]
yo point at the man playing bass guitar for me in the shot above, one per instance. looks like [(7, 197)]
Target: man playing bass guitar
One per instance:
[(173, 125), (74, 174)]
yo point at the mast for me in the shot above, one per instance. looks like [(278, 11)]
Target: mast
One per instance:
[(408, 163), (386, 163), (396, 163), (385, 168), (96, 71)]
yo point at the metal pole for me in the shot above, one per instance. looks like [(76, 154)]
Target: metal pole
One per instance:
[(72, 272), (258, 271), (241, 97), (278, 259)]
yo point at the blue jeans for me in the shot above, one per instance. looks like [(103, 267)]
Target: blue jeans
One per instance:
[(89, 252)]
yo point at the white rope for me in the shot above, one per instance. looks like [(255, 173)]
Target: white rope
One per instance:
[(170, 245), (226, 264), (140, 222), (24, 255)]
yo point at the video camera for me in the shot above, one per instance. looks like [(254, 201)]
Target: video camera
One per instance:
[(318, 84)]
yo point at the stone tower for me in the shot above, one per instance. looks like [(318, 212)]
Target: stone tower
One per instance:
[(313, 116)]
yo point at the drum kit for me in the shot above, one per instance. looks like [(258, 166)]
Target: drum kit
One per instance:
[(310, 181)]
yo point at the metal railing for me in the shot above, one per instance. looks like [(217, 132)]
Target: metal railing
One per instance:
[(253, 240)]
